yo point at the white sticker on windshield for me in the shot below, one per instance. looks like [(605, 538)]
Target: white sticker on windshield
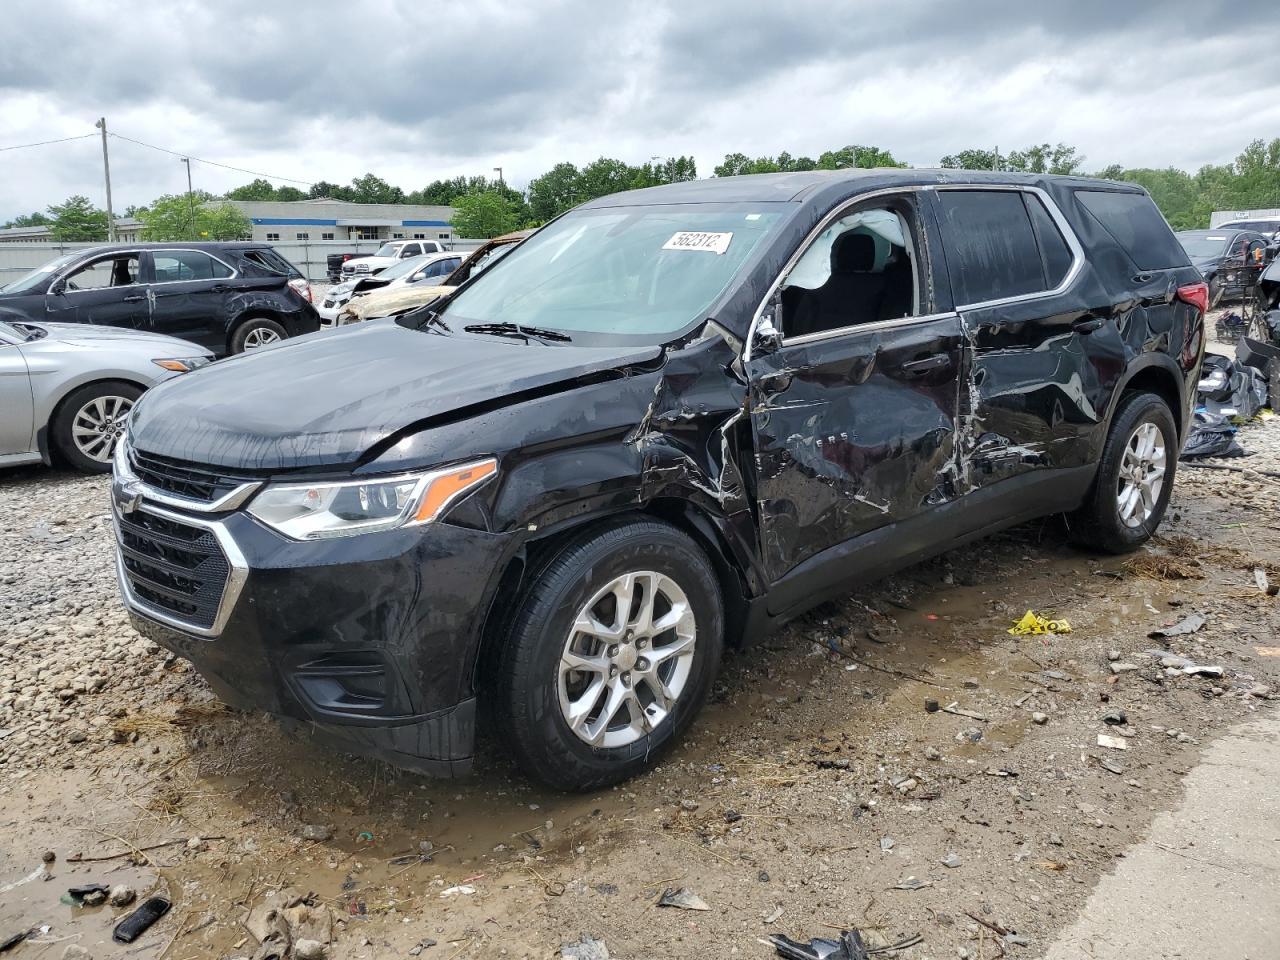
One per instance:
[(693, 240)]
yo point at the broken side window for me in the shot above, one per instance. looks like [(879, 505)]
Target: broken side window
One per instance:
[(860, 269)]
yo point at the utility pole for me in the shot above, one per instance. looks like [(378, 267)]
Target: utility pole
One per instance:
[(191, 199), (498, 171), (995, 164), (106, 170)]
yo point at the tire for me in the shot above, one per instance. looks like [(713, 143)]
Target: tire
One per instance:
[(89, 423), (535, 690), (1101, 522), (256, 332)]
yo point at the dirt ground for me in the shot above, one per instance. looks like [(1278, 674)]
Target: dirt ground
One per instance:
[(816, 792)]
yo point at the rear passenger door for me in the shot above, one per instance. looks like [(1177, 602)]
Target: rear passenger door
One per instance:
[(1046, 353), (189, 295)]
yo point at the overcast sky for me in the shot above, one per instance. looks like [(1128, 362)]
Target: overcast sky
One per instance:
[(416, 91)]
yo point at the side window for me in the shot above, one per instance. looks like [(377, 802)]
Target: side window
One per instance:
[(863, 268), (270, 261), (991, 247), (1135, 223), (410, 250), (1053, 246), (174, 266), (119, 271)]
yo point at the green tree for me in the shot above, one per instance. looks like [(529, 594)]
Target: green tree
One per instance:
[(199, 217), (1044, 158), (857, 155), (289, 194), (373, 189), (36, 219), (323, 189), (76, 219), (259, 189), (483, 215), (554, 192), (972, 159)]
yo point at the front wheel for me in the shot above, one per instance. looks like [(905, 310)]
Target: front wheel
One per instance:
[(1135, 477), (610, 656), (90, 422)]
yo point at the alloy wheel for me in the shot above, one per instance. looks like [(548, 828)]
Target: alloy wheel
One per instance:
[(627, 659), (260, 337), (98, 426), (1142, 475)]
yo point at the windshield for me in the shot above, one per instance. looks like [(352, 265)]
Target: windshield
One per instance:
[(38, 275), (638, 274), (403, 267), (1201, 247), (389, 250)]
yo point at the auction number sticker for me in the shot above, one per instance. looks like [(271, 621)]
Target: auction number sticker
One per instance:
[(693, 240)]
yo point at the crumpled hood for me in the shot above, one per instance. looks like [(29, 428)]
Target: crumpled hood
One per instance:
[(327, 398), (88, 334), (383, 303)]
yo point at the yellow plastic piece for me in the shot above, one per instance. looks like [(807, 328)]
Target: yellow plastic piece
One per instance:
[(1033, 624)]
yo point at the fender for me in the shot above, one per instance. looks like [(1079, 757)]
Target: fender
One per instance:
[(1160, 373)]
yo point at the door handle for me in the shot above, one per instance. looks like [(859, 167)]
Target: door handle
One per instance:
[(1086, 325), (135, 298), (926, 365), (775, 382), (218, 287)]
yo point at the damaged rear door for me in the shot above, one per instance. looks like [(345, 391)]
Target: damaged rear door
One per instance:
[(854, 401), (1047, 352)]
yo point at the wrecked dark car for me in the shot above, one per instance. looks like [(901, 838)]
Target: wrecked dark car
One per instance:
[(668, 421), (228, 297)]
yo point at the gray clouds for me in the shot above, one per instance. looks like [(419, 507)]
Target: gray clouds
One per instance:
[(414, 91)]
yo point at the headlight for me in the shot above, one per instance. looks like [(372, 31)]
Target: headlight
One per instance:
[(183, 364), (320, 511)]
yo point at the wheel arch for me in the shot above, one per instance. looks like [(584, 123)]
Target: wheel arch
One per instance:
[(44, 429), (256, 312), (1158, 374)]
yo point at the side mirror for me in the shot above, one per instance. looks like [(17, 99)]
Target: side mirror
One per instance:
[(767, 337), (58, 287)]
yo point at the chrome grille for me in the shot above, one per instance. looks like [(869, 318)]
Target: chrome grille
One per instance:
[(183, 479), (172, 566)]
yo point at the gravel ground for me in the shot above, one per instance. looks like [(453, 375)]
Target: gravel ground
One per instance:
[(817, 791)]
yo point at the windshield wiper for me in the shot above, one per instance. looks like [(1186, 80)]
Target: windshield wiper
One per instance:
[(516, 330)]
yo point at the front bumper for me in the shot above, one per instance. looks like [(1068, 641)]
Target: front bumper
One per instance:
[(370, 641)]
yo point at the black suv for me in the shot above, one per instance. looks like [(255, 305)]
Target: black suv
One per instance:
[(227, 297), (667, 421)]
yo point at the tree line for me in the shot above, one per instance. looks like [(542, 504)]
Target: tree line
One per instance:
[(486, 207)]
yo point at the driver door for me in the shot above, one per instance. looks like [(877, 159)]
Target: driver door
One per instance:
[(107, 291), (854, 401), (17, 409)]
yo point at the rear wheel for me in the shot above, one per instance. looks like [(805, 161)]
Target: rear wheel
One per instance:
[(1135, 477), (255, 333), (90, 422), (610, 656)]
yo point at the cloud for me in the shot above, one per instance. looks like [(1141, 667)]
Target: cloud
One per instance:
[(419, 91)]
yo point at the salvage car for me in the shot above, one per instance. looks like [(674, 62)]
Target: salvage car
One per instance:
[(387, 255), (227, 297), (668, 421), (1224, 257), (428, 268), (66, 389), (402, 299)]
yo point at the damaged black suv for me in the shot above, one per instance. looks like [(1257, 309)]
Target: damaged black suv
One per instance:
[(670, 420)]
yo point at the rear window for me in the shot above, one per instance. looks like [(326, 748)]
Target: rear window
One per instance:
[(1135, 223), (271, 261), (991, 246)]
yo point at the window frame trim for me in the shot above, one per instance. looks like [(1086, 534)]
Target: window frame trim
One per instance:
[(91, 261)]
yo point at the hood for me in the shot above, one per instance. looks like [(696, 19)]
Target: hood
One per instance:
[(383, 303), (327, 398), (90, 335)]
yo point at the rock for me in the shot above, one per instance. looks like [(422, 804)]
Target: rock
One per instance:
[(318, 832), (421, 945), (588, 948), (1055, 839), (77, 736), (1040, 718), (310, 950), (1117, 718), (1113, 655), (1261, 691), (121, 895), (906, 785), (932, 753), (48, 856), (1119, 668), (886, 844), (689, 806), (94, 898), (682, 899), (969, 735), (76, 952), (951, 861)]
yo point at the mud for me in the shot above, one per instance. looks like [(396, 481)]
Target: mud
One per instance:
[(805, 799)]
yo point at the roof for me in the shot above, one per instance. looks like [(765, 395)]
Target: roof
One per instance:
[(208, 245), (796, 187)]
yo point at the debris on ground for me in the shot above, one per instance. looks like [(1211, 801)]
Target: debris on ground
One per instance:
[(138, 922), (682, 899), (1187, 625), (588, 948), (1112, 743), (1034, 624)]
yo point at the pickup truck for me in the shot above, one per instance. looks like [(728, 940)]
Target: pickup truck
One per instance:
[(390, 252)]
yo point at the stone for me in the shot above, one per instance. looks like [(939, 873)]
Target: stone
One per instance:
[(121, 895), (1040, 719), (318, 832), (76, 952), (932, 753), (588, 948), (1119, 668), (951, 861), (310, 950)]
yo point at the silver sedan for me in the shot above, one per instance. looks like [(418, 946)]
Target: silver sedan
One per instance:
[(66, 389)]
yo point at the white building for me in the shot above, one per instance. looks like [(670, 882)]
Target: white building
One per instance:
[(277, 221)]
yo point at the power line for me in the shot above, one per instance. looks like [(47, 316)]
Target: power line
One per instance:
[(23, 146), (212, 163)]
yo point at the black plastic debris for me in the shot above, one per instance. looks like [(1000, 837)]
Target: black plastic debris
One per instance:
[(1211, 436), (848, 947), (87, 895), (11, 941), (1230, 389), (137, 923)]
